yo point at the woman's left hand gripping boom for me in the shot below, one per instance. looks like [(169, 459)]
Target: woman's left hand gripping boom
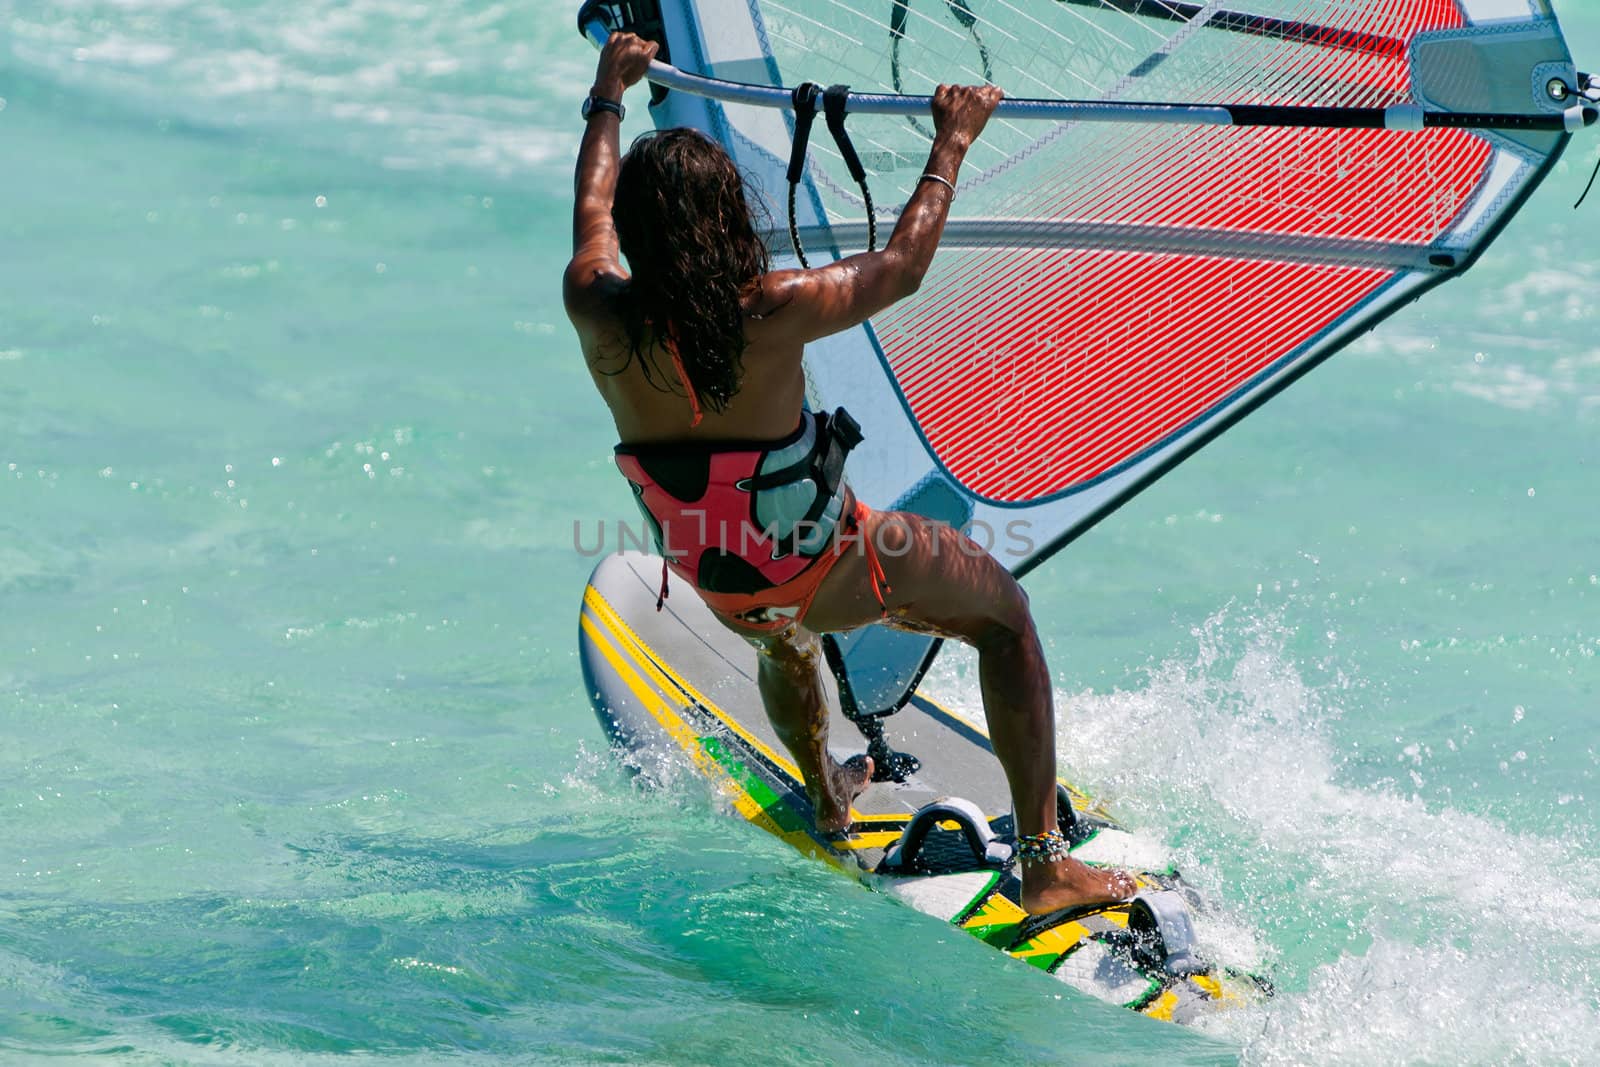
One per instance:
[(596, 267)]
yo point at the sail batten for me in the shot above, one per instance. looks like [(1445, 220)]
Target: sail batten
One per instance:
[(1160, 236)]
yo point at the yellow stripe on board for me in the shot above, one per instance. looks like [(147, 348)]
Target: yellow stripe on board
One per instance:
[(650, 698), (663, 672), (1052, 942), (996, 911), (883, 839), (689, 741)]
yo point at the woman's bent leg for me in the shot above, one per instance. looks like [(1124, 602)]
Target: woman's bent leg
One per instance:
[(789, 675), (941, 582)]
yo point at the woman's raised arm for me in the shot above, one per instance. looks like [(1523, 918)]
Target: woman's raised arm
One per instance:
[(825, 300), (596, 264)]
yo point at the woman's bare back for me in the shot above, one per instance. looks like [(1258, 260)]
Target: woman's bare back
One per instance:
[(656, 408)]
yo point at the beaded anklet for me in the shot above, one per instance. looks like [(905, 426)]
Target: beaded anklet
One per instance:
[(1042, 848)]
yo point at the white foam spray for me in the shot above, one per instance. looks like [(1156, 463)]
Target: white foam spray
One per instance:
[(1397, 931)]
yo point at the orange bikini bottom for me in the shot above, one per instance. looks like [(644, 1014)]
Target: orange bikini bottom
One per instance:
[(771, 611)]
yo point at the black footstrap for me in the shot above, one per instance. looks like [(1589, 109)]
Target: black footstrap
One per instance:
[(987, 851)]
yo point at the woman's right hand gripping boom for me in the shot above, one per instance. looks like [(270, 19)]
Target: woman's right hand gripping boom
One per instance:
[(846, 293)]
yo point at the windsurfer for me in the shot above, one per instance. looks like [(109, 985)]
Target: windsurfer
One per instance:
[(718, 337)]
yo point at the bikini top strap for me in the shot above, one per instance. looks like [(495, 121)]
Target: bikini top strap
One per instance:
[(688, 386)]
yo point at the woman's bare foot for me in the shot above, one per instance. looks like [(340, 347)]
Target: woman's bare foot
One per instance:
[(1051, 885), (845, 782)]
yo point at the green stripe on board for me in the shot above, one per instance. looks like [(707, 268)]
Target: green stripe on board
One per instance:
[(787, 819), (1000, 935)]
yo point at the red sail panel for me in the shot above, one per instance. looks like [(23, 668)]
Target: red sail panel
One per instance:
[(1032, 371), (1372, 185), (1090, 358), (1350, 184)]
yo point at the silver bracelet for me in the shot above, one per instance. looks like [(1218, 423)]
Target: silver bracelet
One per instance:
[(930, 176)]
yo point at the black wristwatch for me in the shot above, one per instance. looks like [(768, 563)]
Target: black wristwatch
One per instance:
[(593, 105)]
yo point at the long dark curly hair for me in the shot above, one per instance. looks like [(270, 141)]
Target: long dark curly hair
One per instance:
[(691, 245)]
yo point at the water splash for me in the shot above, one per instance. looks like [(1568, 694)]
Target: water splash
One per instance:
[(1396, 930)]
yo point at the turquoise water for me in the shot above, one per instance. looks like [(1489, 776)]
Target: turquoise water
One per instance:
[(295, 762)]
